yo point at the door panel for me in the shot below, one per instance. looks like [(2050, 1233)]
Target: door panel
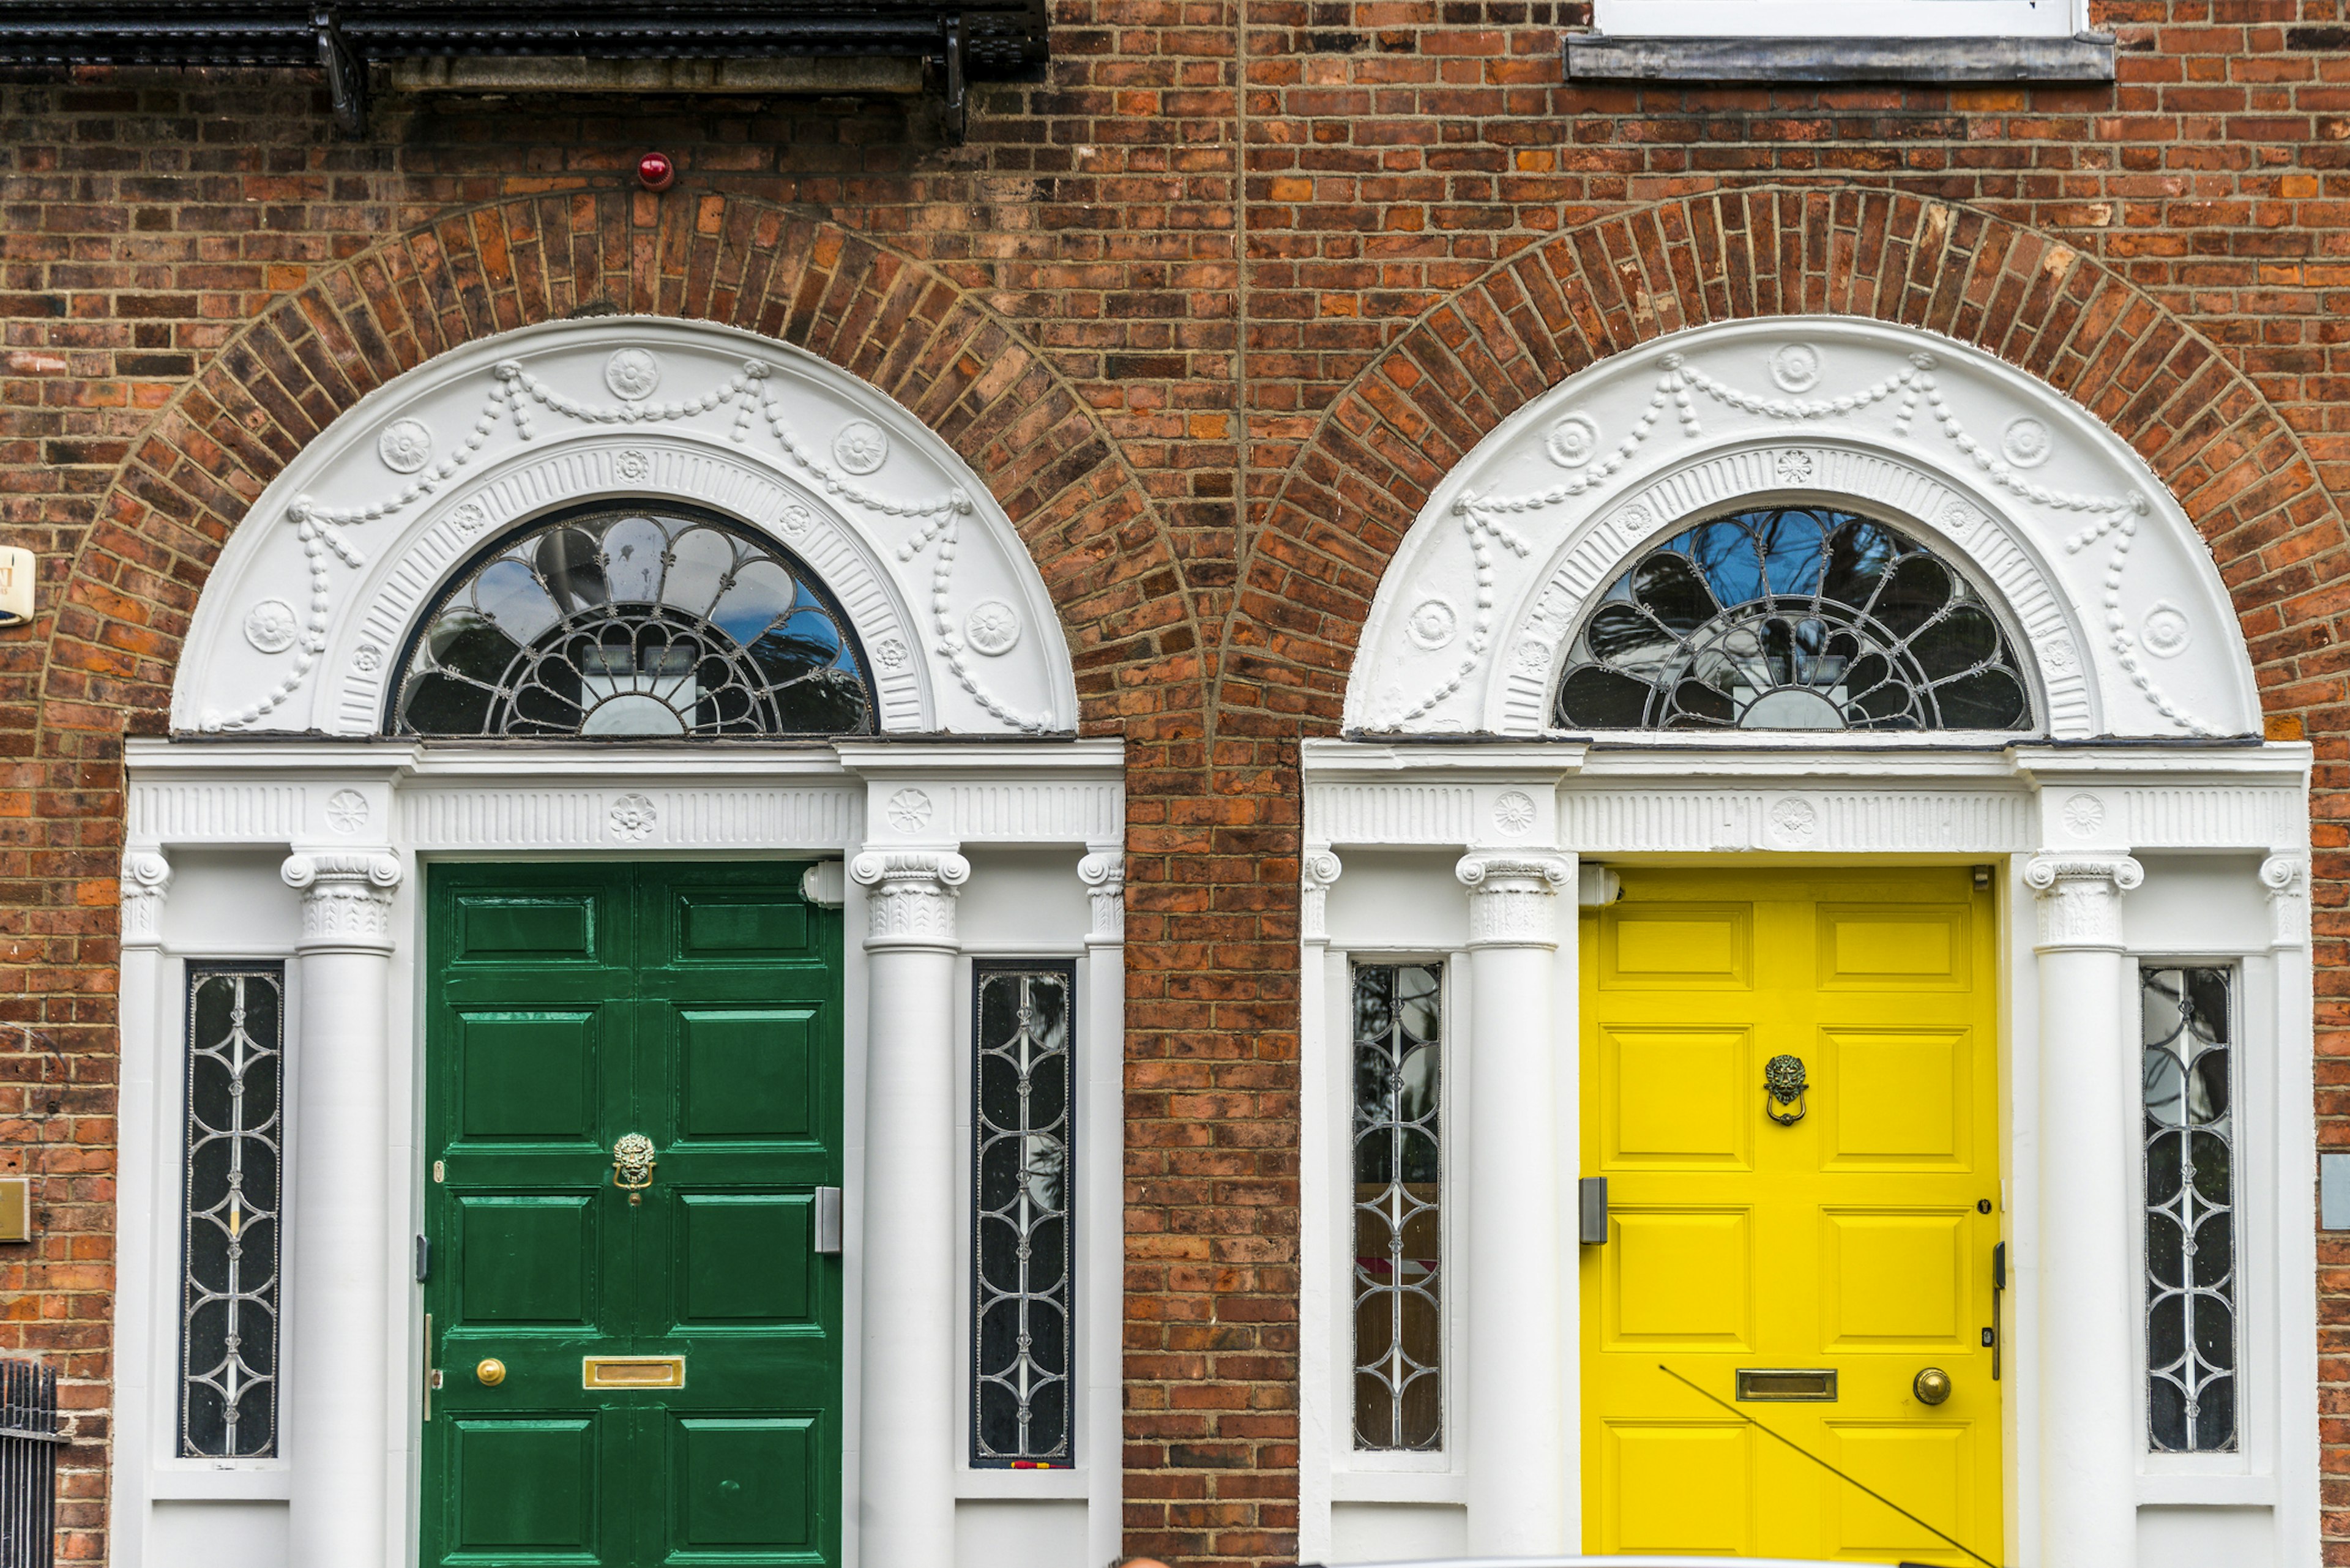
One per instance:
[(699, 1006), (1850, 1246)]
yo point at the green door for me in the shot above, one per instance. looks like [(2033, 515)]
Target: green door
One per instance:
[(672, 1356)]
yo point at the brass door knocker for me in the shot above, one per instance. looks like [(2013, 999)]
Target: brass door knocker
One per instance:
[(632, 1165), (1783, 1077)]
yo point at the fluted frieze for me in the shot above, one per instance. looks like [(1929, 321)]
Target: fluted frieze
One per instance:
[(345, 896), (910, 898), (146, 878), (1104, 874), (2080, 897), (1513, 898)]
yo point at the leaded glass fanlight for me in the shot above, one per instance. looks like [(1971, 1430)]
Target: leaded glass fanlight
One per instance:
[(1793, 617), (634, 623)]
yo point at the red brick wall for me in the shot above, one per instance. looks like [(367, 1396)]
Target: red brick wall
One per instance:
[(195, 273)]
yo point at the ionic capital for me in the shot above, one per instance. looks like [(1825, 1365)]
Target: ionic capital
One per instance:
[(2286, 876), (146, 878), (2080, 897), (912, 901), (1513, 898), (1103, 871), (1317, 868), (345, 896)]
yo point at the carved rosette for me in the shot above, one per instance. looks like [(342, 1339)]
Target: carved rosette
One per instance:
[(1513, 898), (912, 901), (2080, 897), (1104, 874), (345, 897), (1316, 871), (2286, 876), (146, 878)]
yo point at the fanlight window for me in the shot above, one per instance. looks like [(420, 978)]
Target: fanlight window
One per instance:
[(635, 624), (1793, 617)]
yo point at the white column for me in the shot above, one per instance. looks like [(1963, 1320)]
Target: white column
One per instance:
[(1517, 1416), (911, 1352), (1101, 1150), (338, 1429), (146, 878), (2089, 1283), (1324, 1409)]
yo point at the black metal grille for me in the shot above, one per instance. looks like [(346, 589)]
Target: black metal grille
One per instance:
[(29, 1441)]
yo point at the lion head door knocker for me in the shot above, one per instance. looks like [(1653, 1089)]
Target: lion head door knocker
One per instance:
[(1783, 1077), (632, 1165)]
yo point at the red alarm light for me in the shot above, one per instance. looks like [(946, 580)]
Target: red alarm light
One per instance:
[(656, 172)]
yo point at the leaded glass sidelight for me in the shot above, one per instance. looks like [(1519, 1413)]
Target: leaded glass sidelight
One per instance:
[(634, 623), (1023, 1084), (1399, 1206), (2190, 1210), (230, 1240), (1793, 617)]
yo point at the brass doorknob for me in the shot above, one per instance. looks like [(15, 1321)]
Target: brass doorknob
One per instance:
[(491, 1372), (1931, 1386)]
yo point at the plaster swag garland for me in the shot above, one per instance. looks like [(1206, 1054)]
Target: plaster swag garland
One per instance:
[(1574, 442), (514, 398)]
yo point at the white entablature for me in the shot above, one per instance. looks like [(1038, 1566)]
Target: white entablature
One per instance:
[(307, 616), (2112, 598)]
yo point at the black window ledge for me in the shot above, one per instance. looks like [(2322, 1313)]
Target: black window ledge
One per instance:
[(2083, 57)]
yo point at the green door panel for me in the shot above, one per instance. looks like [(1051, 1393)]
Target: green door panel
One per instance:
[(567, 1005)]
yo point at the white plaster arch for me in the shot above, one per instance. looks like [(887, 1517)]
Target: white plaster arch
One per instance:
[(2113, 596), (311, 603)]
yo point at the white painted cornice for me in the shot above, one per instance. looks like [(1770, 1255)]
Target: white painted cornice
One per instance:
[(303, 622), (2109, 595)]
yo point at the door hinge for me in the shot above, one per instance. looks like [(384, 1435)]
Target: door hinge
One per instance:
[(1591, 1228), (827, 1221), (423, 1259)]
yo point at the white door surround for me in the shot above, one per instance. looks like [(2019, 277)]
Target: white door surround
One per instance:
[(2143, 818), (279, 823)]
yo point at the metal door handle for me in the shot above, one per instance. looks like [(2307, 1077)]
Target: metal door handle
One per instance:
[(1932, 1385), (490, 1370)]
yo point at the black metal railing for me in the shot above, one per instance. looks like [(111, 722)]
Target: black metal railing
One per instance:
[(29, 1442)]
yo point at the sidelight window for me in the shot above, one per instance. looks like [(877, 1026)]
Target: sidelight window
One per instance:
[(2190, 1210), (1399, 1206), (231, 1197), (1024, 1083)]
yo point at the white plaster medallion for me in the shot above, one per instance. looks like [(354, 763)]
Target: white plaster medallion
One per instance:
[(632, 374), (469, 517), (992, 628), (405, 446), (347, 811), (1794, 821), (1795, 366), (2059, 655), (889, 653), (1534, 657), (795, 520), (271, 626), (2084, 814), (633, 817), (2026, 443), (1795, 467), (1573, 440), (860, 447), (2166, 630), (632, 466), (1432, 624), (909, 810), (1514, 812), (367, 659), (1958, 520)]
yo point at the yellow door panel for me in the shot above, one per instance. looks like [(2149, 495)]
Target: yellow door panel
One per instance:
[(1843, 1252), (1891, 947), (1684, 1279), (1679, 1489), (1899, 1097), (1680, 947), (1677, 1094), (1893, 1277)]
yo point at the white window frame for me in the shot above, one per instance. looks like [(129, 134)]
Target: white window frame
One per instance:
[(1840, 18)]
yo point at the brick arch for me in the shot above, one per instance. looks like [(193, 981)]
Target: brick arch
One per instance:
[(1353, 486), (925, 340)]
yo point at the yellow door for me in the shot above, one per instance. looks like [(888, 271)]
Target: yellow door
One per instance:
[(1817, 1267)]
